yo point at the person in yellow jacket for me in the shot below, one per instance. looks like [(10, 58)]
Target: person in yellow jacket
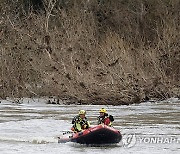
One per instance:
[(80, 122)]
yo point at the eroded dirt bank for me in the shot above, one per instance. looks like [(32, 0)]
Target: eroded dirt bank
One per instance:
[(98, 52)]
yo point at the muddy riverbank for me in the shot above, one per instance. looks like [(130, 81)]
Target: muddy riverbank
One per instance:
[(90, 52)]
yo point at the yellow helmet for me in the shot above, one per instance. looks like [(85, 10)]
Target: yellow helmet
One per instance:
[(102, 110), (82, 112)]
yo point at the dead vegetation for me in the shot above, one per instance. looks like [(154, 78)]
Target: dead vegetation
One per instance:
[(114, 52)]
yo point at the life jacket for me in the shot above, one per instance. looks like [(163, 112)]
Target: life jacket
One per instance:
[(107, 120), (80, 124)]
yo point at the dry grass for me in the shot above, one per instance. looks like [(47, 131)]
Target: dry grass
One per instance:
[(92, 51)]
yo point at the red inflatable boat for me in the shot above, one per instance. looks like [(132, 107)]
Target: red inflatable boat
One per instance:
[(100, 134)]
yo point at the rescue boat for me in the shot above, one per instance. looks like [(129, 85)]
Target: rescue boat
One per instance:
[(100, 134)]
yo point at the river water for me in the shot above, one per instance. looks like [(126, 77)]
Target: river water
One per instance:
[(33, 127)]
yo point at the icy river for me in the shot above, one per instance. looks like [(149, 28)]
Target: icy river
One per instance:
[(33, 126)]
